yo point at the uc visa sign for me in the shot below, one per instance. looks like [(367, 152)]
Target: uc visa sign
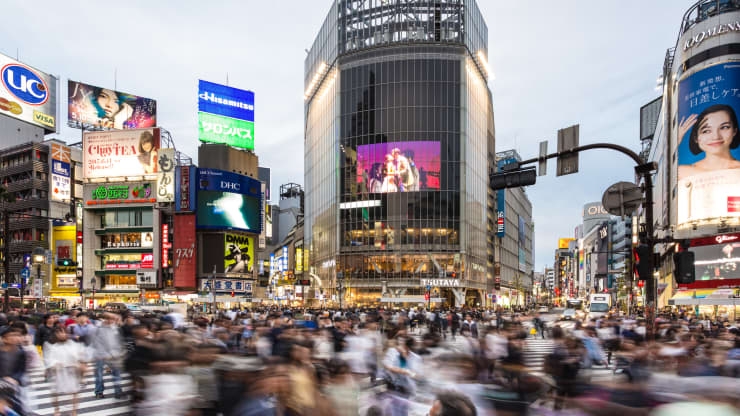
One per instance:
[(27, 94)]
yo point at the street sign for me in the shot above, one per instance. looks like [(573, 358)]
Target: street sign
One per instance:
[(567, 140), (542, 171), (622, 199), (26, 273)]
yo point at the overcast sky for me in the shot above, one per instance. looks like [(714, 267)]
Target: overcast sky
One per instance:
[(556, 63)]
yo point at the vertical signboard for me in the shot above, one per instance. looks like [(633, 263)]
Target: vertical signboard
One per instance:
[(166, 245), (166, 176), (709, 148), (61, 173), (65, 245), (184, 251), (185, 188), (522, 243)]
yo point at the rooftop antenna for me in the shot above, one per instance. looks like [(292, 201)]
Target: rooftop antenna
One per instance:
[(17, 54), (115, 79), (227, 78)]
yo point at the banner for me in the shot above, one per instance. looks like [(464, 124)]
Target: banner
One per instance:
[(166, 175), (61, 173), (28, 94), (122, 153), (184, 251), (709, 147), (238, 254), (94, 107)]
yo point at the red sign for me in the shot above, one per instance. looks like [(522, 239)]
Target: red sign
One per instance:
[(717, 239), (165, 245), (184, 251), (79, 237), (147, 260), (733, 204)]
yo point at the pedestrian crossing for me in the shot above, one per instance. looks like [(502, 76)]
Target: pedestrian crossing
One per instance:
[(534, 352), (41, 396)]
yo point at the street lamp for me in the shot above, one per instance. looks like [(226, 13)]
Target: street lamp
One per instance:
[(38, 258), (93, 282)]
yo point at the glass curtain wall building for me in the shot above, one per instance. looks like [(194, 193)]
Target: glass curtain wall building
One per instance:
[(399, 141)]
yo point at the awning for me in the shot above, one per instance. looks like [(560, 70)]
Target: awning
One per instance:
[(705, 297)]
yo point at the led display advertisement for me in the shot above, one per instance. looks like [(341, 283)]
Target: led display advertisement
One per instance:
[(225, 101), (238, 253), (184, 250), (398, 166), (94, 107), (709, 147), (231, 131), (121, 153), (28, 94), (61, 173), (228, 201)]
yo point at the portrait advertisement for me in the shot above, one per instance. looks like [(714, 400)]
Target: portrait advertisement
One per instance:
[(708, 146), (238, 254), (398, 166), (96, 107)]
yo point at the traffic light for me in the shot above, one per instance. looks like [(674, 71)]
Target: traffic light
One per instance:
[(514, 178), (66, 262), (644, 262), (683, 262)]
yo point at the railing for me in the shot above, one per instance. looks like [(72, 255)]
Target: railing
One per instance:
[(705, 9)]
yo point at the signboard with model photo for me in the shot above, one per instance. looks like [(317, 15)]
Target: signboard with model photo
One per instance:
[(398, 166), (119, 153), (28, 94), (96, 107), (239, 253), (709, 147)]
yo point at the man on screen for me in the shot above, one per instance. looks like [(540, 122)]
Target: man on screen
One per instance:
[(240, 257), (404, 178)]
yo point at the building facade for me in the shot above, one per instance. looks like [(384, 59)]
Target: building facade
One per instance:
[(397, 102), (696, 198)]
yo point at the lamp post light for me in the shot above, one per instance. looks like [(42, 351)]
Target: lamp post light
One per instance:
[(93, 282), (38, 258)]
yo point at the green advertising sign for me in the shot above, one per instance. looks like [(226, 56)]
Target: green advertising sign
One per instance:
[(220, 129)]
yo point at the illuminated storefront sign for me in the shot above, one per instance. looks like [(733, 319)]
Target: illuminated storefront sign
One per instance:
[(227, 285), (440, 282), (717, 30), (166, 245), (122, 194)]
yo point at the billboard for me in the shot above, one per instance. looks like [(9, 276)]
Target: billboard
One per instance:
[(564, 242), (225, 101), (602, 250), (94, 107), (184, 251), (166, 175), (238, 253), (122, 153), (708, 147), (398, 166), (231, 131), (225, 210), (61, 173), (185, 188), (221, 180), (28, 94)]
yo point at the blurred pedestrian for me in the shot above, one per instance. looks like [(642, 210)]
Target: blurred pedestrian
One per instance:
[(107, 347)]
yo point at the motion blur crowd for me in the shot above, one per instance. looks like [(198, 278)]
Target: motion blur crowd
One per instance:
[(277, 361)]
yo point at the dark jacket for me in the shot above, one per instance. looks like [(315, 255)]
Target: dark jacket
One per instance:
[(43, 335)]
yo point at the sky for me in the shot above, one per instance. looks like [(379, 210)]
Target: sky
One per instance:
[(555, 63)]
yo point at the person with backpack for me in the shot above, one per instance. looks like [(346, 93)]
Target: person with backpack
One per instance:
[(539, 325)]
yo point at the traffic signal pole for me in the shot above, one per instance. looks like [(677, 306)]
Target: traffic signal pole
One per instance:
[(644, 170)]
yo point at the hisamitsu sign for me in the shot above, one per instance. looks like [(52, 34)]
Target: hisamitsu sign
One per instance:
[(225, 101)]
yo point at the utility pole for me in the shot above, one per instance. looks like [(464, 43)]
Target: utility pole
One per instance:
[(213, 289)]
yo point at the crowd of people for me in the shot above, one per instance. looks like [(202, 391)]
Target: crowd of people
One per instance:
[(277, 361)]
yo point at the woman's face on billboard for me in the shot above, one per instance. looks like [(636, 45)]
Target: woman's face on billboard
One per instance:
[(108, 101), (716, 132)]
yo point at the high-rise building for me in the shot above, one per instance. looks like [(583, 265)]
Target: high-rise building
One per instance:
[(399, 144)]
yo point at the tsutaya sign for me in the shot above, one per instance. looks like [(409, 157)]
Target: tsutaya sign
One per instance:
[(717, 30), (440, 282)]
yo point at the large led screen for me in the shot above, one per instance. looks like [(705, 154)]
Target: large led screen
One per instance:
[(28, 94), (96, 107), (226, 210), (717, 261), (709, 146), (120, 153), (398, 166)]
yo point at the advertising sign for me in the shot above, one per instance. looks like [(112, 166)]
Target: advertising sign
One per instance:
[(717, 261), (119, 153), (602, 250), (185, 188), (146, 277), (166, 245), (166, 175), (228, 201), (185, 251), (28, 94), (221, 180), (501, 197), (94, 107), (709, 147), (226, 130), (564, 242), (225, 101), (65, 246), (398, 166), (227, 285), (522, 239), (239, 254), (136, 193), (61, 173)]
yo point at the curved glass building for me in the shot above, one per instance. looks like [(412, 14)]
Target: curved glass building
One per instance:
[(399, 142)]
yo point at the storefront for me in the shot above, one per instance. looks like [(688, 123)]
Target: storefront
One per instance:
[(717, 303)]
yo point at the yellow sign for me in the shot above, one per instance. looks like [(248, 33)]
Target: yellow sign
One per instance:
[(44, 119), (563, 242), (299, 260), (64, 278)]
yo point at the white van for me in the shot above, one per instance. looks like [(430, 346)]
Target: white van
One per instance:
[(599, 305)]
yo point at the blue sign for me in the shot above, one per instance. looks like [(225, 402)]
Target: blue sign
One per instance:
[(26, 260), (225, 101), (26, 273), (223, 181), (22, 82)]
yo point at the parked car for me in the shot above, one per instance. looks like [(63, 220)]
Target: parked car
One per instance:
[(568, 315)]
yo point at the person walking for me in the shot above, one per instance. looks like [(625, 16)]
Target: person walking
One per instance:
[(66, 360), (107, 347)]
